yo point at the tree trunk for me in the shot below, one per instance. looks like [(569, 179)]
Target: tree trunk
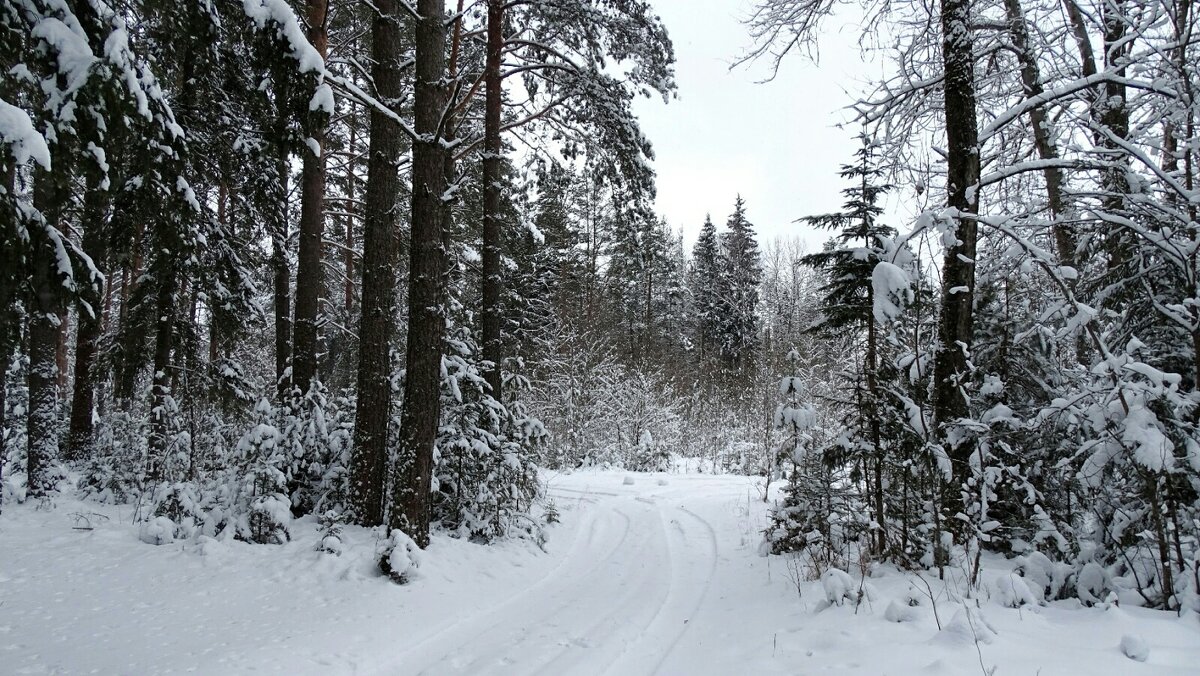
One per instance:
[(215, 349), (45, 307), (348, 252), (310, 270), (367, 468), (81, 437), (61, 349), (493, 233), (165, 280), (955, 325), (419, 419), (10, 267), (128, 365), (1113, 116), (873, 413), (281, 281), (1031, 81)]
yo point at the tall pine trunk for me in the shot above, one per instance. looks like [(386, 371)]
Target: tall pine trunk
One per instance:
[(493, 233), (166, 283), (419, 419), (368, 465), (348, 251), (955, 324), (45, 307), (281, 286), (310, 271), (10, 264), (81, 436)]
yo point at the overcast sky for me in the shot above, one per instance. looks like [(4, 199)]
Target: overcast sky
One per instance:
[(776, 142)]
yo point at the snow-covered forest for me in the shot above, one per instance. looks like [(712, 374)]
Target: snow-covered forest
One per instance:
[(341, 336)]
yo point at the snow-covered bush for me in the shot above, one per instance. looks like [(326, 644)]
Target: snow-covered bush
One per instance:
[(315, 434), (838, 586), (484, 477), (400, 558), (261, 512)]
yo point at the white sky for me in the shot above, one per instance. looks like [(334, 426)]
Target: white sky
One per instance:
[(774, 142)]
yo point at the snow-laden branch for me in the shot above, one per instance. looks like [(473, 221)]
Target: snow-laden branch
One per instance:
[(279, 12), (1008, 116), (355, 92), (22, 140)]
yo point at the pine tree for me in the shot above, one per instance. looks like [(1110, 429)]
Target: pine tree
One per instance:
[(410, 511), (705, 275), (849, 303), (740, 273), (310, 270), (368, 470)]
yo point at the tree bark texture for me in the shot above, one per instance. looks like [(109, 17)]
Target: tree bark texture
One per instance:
[(81, 436), (310, 270), (281, 287), (955, 324), (419, 419), (368, 464), (493, 233), (45, 307)]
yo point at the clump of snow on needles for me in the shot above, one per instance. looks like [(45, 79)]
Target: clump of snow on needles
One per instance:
[(18, 133), (892, 291)]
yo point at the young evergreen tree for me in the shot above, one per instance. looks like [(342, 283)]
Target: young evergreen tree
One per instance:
[(848, 304)]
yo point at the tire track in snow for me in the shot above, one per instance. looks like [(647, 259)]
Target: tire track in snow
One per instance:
[(486, 642), (696, 548), (641, 591), (416, 658), (621, 601)]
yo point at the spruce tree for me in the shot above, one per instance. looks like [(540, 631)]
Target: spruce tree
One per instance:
[(705, 275), (848, 304), (740, 274)]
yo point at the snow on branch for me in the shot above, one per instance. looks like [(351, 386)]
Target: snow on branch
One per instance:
[(18, 134), (264, 12)]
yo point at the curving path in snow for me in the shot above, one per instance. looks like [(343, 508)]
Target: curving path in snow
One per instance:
[(622, 599), (658, 576)]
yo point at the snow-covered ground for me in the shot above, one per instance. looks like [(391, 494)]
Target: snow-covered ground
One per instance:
[(661, 575)]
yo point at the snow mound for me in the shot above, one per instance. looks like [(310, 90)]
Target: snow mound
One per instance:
[(1091, 584), (628, 481), (838, 586), (901, 612), (967, 627), (1011, 591), (1045, 578), (331, 544), (158, 531), (1135, 648)]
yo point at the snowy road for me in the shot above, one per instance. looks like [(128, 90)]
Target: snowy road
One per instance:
[(622, 600), (658, 576)]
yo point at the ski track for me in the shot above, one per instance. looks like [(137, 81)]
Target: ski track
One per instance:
[(620, 602), (646, 574)]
